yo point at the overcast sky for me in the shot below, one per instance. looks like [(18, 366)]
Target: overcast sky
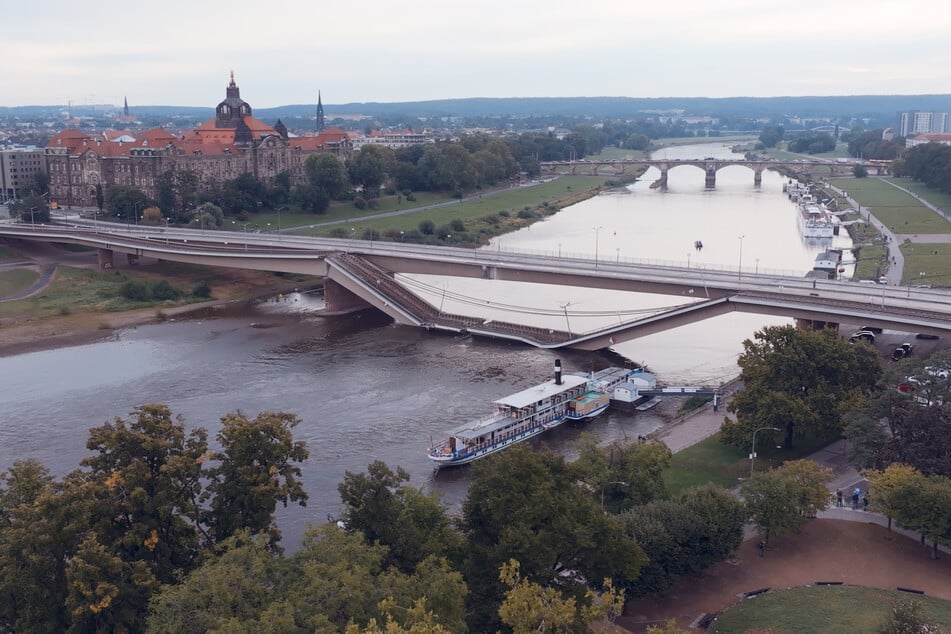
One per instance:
[(180, 52)]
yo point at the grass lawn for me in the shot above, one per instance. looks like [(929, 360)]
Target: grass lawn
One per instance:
[(840, 609), (711, 461), (927, 264), (16, 280), (939, 199), (7, 254), (896, 209)]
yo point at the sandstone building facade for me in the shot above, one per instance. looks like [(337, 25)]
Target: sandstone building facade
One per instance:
[(220, 149)]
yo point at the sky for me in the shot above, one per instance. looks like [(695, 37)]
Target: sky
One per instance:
[(282, 52)]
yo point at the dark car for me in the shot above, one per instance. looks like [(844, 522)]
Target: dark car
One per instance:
[(874, 329), (902, 351)]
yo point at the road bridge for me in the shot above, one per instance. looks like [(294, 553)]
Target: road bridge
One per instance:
[(367, 274), (710, 167)]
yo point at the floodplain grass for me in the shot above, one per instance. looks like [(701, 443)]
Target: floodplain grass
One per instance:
[(899, 211), (75, 290), (841, 609), (17, 280), (927, 264), (557, 193)]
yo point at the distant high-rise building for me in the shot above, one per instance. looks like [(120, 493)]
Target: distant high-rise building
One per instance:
[(18, 170), (915, 122), (320, 114)]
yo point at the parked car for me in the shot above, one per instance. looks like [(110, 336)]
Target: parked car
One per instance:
[(874, 329), (926, 335), (902, 351), (862, 335)]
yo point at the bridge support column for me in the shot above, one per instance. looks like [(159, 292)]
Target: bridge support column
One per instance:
[(757, 177), (105, 258), (339, 301), (663, 179), (710, 182), (815, 324)]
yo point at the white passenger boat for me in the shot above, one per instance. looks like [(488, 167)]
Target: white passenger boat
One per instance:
[(516, 418), (814, 220)]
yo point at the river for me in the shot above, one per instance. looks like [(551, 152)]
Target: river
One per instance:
[(368, 390)]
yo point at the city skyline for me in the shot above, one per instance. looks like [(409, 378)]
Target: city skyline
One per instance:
[(282, 53)]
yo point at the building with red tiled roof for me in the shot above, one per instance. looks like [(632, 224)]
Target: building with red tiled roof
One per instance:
[(233, 143), (921, 139)]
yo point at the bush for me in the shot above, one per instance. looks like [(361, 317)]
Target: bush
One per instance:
[(360, 202), (457, 224), (162, 291), (410, 198), (201, 289), (504, 214), (527, 214), (427, 227), (407, 193), (135, 291)]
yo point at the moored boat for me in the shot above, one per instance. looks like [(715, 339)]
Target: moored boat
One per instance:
[(517, 417)]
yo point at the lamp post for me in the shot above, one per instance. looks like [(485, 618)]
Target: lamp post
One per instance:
[(245, 225), (32, 218), (567, 323), (166, 230), (739, 269), (604, 486), (597, 230), (753, 448)]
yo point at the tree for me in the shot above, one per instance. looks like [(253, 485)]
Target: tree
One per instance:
[(890, 490), (152, 216), (801, 381), (30, 207), (866, 438), (100, 198), (369, 168), (682, 537), (255, 470), (771, 134), (783, 499), (624, 475), (529, 505), (411, 523), (238, 581), (328, 173), (209, 215), (145, 479), (125, 200), (530, 607), (860, 171)]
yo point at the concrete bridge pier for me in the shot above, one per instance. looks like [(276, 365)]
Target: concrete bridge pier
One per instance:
[(757, 177), (104, 258), (339, 301), (710, 181), (663, 179), (815, 324)]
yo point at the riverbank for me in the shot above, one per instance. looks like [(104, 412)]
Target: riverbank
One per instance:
[(26, 327)]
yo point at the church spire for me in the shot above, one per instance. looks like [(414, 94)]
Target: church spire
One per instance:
[(125, 106), (320, 114)]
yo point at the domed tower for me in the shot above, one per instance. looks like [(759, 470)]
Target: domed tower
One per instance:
[(233, 109)]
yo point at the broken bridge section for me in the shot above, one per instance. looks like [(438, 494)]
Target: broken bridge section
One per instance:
[(356, 283)]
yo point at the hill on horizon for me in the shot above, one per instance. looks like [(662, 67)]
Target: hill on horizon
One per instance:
[(873, 106)]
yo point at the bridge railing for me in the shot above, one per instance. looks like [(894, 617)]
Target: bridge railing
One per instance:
[(615, 258)]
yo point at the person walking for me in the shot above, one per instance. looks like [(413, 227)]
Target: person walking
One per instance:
[(855, 498), (838, 498), (865, 502)]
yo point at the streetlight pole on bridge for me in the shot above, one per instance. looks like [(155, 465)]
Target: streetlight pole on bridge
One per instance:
[(739, 269)]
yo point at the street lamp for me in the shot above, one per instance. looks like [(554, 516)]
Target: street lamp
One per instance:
[(753, 448), (567, 323), (597, 230), (32, 219), (688, 259), (618, 482), (245, 225), (166, 230), (739, 269)]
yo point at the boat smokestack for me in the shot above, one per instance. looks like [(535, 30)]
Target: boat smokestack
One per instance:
[(557, 371)]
